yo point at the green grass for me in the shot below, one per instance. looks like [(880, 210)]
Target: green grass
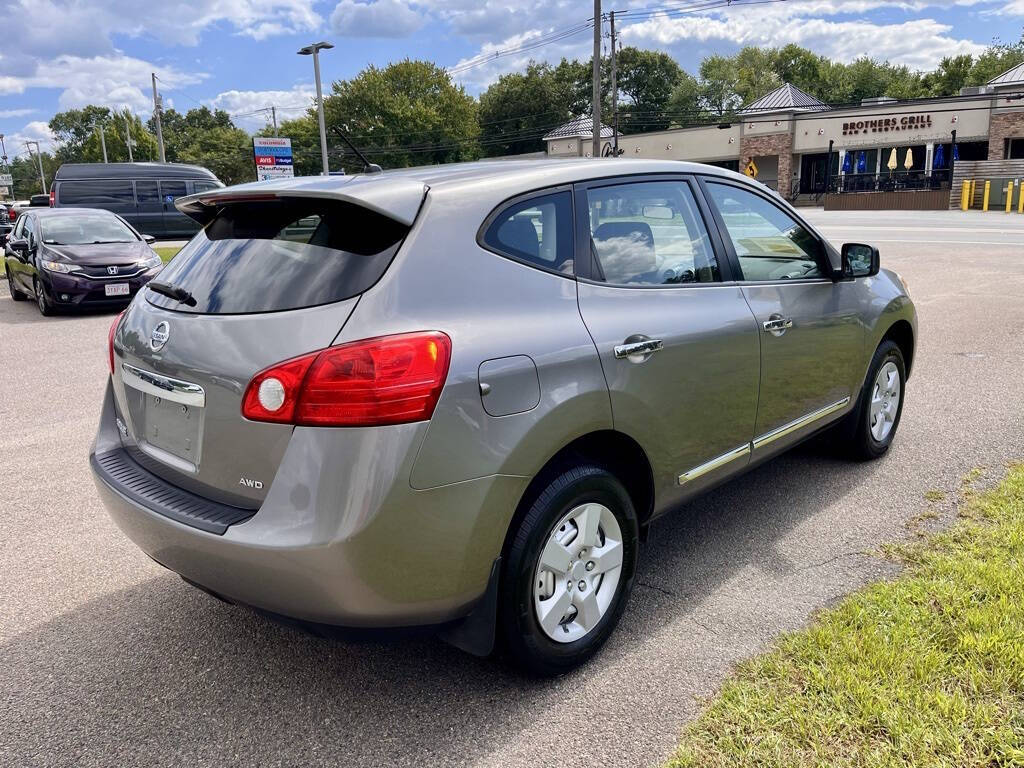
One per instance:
[(926, 670), (166, 252)]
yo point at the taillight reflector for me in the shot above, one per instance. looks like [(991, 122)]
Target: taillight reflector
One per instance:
[(373, 382), (110, 340)]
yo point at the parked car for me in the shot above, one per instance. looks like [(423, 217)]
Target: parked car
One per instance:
[(71, 258), (142, 193), (461, 398), (39, 201), (7, 218)]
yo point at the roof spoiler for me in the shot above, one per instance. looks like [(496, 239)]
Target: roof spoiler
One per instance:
[(397, 198)]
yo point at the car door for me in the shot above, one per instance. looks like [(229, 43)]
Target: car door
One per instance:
[(175, 222), (811, 335), (13, 259), (26, 270), (150, 206), (676, 339)]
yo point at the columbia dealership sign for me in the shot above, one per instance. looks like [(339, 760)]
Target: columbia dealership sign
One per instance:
[(886, 124)]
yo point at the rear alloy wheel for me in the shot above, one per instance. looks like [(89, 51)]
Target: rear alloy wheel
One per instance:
[(569, 571), (15, 293), (45, 308)]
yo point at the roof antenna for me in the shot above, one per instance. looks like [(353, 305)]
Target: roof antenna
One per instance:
[(368, 167)]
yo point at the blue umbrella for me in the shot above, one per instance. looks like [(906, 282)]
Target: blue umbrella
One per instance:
[(846, 163), (940, 157), (862, 163), (956, 152)]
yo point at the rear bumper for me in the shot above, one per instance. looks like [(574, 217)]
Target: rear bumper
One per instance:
[(341, 538)]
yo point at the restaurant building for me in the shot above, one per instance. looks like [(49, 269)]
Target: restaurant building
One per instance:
[(810, 151)]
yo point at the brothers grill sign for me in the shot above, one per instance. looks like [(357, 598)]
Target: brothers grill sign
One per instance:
[(887, 124)]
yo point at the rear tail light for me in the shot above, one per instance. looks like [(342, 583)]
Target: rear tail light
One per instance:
[(12, 214), (110, 340), (373, 382), (53, 196)]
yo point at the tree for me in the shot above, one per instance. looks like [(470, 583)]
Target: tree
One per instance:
[(646, 79), (685, 106), (77, 133), (521, 107), (718, 84), (408, 113), (995, 60), (949, 77), (756, 73), (208, 138), (25, 170)]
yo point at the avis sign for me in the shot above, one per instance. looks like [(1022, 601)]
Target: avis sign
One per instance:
[(273, 158)]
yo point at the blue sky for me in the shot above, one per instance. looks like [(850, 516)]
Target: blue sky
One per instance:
[(239, 55)]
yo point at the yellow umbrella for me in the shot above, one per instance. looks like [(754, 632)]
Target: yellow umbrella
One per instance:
[(893, 162), (908, 163)]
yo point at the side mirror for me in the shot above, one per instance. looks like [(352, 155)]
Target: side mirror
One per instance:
[(18, 245), (860, 260), (149, 239)]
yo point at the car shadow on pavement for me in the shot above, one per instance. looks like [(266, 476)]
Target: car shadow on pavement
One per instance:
[(26, 313), (160, 673)]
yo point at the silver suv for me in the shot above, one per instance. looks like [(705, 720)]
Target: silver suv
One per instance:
[(457, 396)]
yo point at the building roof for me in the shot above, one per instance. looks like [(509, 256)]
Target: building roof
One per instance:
[(785, 97), (579, 128), (1012, 75)]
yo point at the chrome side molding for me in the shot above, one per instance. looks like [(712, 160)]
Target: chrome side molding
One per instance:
[(788, 429), (747, 448), (715, 463), (151, 383)]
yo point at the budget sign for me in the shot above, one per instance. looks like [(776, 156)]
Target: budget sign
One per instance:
[(273, 157)]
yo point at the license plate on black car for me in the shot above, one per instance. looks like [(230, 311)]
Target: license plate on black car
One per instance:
[(116, 289)]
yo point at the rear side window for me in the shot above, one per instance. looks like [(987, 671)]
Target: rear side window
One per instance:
[(98, 193), (204, 186), (146, 192), (280, 255), (537, 231), (172, 190)]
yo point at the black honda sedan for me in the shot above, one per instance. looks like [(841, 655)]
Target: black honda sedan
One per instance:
[(76, 257)]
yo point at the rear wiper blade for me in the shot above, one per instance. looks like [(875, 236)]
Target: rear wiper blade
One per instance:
[(172, 292)]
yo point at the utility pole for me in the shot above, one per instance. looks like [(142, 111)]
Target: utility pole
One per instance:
[(103, 142), (39, 157), (314, 51), (156, 114), (128, 135), (615, 93), (595, 105), (273, 118)]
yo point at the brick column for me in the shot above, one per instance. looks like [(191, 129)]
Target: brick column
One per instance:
[(1001, 126), (780, 144)]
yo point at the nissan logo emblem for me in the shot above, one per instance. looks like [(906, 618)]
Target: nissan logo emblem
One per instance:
[(159, 337)]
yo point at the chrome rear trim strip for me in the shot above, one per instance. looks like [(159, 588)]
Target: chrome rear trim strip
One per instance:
[(163, 386), (803, 421), (720, 461)]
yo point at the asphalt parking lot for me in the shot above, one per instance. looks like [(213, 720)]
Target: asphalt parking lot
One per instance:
[(107, 659)]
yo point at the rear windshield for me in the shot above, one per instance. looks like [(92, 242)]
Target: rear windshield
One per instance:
[(285, 254)]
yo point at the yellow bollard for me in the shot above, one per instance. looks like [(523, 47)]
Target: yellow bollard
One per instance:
[(974, 191), (1020, 198), (984, 200), (965, 200), (1009, 195)]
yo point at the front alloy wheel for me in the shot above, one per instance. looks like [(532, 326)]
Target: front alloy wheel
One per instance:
[(45, 309)]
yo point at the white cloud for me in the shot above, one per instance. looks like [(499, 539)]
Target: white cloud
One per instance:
[(243, 105), (21, 112), (375, 18), (36, 130)]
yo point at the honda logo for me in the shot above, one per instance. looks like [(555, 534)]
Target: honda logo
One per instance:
[(111, 270)]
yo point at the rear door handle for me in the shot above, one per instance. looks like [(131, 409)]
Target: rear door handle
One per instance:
[(638, 351), (778, 325)]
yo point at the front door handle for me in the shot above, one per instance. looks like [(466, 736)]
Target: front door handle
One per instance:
[(638, 351), (777, 325)]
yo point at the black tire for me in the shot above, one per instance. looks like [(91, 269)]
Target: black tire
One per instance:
[(862, 444), (523, 640), (15, 293), (43, 303)]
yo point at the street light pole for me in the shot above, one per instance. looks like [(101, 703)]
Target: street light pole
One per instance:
[(39, 157), (314, 51), (103, 143), (128, 135), (595, 101), (156, 114)]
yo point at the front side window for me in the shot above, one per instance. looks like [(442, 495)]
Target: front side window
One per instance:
[(649, 233), (280, 255), (205, 186), (28, 230), (769, 244), (84, 229), (537, 231)]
